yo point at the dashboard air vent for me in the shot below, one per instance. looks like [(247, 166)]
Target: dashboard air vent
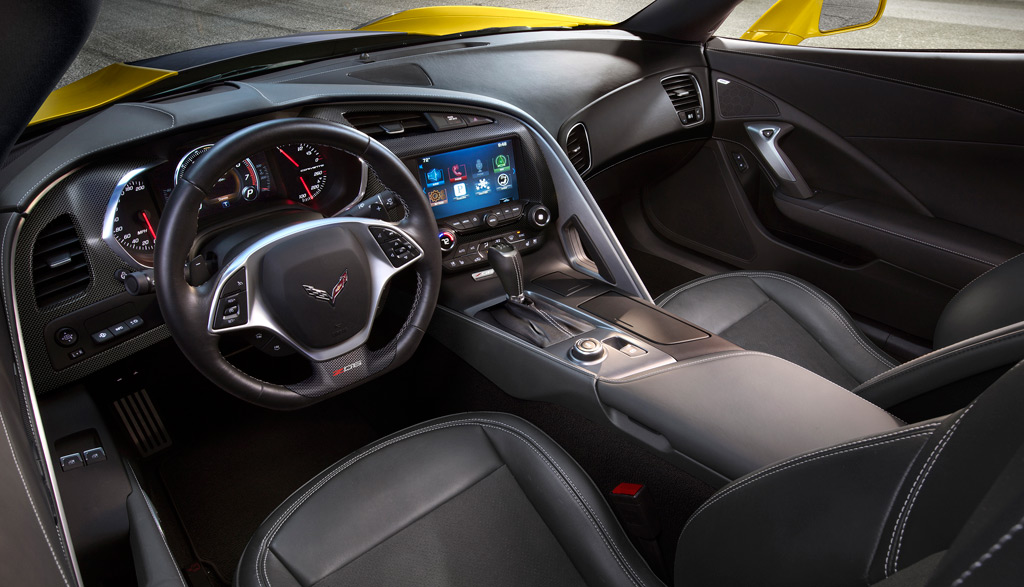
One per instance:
[(686, 98), (59, 268), (577, 146), (384, 124)]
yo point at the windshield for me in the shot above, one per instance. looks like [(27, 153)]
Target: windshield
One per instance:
[(130, 30)]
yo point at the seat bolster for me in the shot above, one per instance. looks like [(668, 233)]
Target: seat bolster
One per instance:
[(808, 521), (721, 300), (991, 301), (1000, 348)]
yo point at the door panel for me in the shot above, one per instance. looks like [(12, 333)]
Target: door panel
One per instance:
[(912, 165)]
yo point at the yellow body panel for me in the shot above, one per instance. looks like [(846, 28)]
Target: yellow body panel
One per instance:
[(788, 22), (98, 89), (447, 20)]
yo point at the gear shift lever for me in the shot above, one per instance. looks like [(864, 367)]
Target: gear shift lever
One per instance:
[(508, 265)]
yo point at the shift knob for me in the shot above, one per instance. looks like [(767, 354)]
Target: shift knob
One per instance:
[(508, 265)]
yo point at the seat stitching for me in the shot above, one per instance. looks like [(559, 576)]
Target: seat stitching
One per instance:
[(32, 501), (814, 456), (900, 526), (845, 323), (935, 356), (990, 553), (909, 238), (581, 501)]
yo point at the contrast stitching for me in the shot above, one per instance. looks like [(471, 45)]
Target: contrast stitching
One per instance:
[(990, 553), (908, 504), (581, 501), (835, 312), (32, 502), (909, 238), (932, 357), (156, 520), (872, 75), (550, 320), (98, 149), (814, 456)]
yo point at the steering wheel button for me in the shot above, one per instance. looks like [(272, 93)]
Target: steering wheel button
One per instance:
[(234, 284), (102, 337)]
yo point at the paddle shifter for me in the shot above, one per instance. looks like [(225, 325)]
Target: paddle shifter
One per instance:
[(534, 320), (508, 265)]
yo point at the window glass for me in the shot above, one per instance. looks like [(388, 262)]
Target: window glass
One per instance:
[(914, 24)]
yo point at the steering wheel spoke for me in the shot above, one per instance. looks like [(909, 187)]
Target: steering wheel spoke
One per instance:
[(316, 286)]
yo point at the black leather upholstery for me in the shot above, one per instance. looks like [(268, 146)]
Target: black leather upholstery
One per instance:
[(991, 301), (489, 499), (784, 316), (463, 500)]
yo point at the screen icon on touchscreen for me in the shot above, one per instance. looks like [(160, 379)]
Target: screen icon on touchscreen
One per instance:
[(457, 172), (460, 190), (437, 196), (501, 164), (435, 177)]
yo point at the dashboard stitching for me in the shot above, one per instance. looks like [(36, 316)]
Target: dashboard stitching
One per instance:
[(581, 501), (871, 75), (909, 238), (900, 526), (814, 456), (28, 194), (854, 333)]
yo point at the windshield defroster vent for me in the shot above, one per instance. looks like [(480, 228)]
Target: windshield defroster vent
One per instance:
[(577, 147), (686, 98), (59, 267), (382, 125)]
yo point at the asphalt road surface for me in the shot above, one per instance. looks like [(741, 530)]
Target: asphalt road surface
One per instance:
[(127, 30)]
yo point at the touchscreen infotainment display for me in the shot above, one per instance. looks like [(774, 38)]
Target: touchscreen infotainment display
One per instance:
[(469, 179)]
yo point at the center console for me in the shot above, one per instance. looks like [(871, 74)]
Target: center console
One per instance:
[(539, 297)]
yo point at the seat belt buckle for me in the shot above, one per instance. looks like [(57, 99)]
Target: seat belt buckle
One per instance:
[(634, 508)]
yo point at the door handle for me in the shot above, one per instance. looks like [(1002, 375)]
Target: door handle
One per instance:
[(766, 136)]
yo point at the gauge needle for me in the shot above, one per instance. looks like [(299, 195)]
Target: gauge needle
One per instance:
[(286, 156), (303, 185), (149, 224)]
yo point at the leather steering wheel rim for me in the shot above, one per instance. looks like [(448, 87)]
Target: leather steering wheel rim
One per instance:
[(186, 308)]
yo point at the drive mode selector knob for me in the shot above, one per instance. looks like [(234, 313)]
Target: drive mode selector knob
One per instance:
[(447, 239), (539, 215), (588, 350)]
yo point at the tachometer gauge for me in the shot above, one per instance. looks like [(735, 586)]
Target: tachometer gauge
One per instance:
[(304, 171), (241, 181), (133, 222)]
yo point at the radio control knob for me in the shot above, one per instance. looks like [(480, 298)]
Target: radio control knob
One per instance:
[(587, 350), (539, 215), (491, 219), (447, 239)]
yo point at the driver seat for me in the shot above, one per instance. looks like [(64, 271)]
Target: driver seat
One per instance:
[(487, 498)]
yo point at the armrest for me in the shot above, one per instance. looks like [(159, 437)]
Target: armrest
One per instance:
[(736, 412), (998, 348)]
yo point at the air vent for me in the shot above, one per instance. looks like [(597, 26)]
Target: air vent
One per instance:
[(381, 125), (59, 268), (577, 146), (686, 99)]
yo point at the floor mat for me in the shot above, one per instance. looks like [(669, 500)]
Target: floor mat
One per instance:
[(223, 485)]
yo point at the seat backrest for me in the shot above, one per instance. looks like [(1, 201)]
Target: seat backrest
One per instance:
[(993, 300), (866, 511)]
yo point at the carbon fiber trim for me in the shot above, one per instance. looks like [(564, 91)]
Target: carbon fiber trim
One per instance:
[(83, 195)]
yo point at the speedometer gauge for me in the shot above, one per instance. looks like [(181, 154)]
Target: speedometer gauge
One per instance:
[(241, 181), (132, 220), (304, 171)]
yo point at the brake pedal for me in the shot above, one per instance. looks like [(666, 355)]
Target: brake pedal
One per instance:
[(143, 423)]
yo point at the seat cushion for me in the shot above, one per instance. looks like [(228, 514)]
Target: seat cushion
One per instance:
[(781, 315), (470, 499)]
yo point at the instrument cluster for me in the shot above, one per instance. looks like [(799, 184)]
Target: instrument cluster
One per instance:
[(297, 175)]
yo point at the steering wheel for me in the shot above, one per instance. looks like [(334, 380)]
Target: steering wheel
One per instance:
[(316, 285)]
